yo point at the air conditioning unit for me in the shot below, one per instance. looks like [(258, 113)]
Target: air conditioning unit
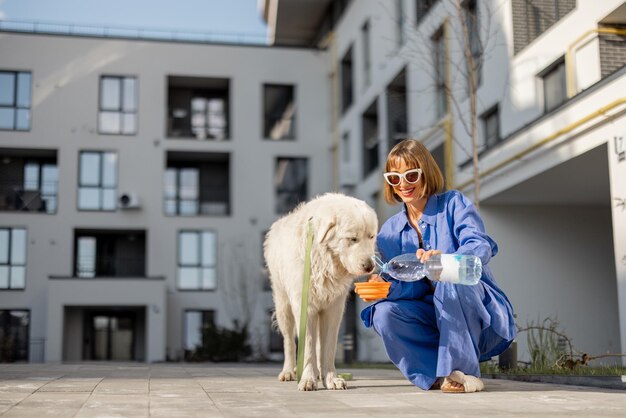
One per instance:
[(129, 201)]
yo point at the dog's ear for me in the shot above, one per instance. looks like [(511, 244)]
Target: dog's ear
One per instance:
[(325, 228)]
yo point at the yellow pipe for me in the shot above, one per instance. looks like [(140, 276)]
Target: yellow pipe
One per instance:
[(544, 141), (569, 55)]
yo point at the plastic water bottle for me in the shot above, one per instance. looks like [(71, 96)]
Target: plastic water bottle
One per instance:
[(450, 268)]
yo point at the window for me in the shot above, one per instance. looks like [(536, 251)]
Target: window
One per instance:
[(29, 180), (197, 322), (14, 335), (197, 260), (554, 87), (110, 254), (421, 9), (118, 105), (15, 100), (290, 183), (346, 81), (12, 258), (397, 111), (440, 73), (472, 21), (367, 65), (370, 132), (197, 184), (198, 108), (279, 112), (400, 23), (97, 181), (491, 127)]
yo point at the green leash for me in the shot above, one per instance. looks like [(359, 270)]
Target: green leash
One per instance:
[(304, 304)]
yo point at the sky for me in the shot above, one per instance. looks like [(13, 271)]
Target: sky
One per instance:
[(240, 17)]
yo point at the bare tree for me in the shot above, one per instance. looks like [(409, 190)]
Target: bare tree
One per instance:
[(240, 281), (469, 37)]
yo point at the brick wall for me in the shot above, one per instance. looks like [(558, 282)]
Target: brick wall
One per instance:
[(612, 52), (533, 17)]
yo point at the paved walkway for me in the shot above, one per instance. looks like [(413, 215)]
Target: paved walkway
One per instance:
[(234, 390)]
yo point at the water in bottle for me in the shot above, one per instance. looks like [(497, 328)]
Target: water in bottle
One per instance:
[(451, 268)]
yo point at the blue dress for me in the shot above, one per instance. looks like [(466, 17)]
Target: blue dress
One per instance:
[(430, 329)]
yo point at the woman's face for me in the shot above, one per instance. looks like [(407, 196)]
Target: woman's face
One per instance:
[(406, 191)]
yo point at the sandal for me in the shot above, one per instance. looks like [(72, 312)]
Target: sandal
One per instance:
[(470, 383)]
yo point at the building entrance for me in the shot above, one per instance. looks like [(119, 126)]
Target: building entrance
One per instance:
[(112, 336)]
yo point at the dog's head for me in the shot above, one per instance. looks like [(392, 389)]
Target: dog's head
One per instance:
[(347, 228)]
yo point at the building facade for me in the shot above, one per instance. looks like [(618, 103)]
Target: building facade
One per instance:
[(138, 178), (549, 124)]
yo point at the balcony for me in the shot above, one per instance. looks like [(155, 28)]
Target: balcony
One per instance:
[(197, 184), (198, 108), (109, 254), (28, 181)]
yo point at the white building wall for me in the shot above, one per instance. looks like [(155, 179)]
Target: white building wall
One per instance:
[(544, 277), (580, 295), (65, 74)]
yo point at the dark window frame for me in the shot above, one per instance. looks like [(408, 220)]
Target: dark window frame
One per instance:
[(107, 265), (297, 195), (177, 165), (366, 42), (439, 60), (210, 314), (267, 117), (422, 8), (551, 70), (206, 88), (15, 106), (471, 11), (100, 186), (484, 118), (347, 79), (10, 264), (199, 265), (120, 108), (370, 145), (20, 352)]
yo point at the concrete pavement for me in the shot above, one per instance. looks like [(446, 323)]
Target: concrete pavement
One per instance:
[(242, 390)]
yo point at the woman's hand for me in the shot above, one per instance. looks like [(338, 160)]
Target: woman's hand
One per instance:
[(375, 278), (423, 255)]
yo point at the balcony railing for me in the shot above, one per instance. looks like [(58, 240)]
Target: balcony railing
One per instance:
[(115, 266), (73, 29), (15, 198)]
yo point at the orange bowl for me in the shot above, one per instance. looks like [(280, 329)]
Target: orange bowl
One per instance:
[(370, 291)]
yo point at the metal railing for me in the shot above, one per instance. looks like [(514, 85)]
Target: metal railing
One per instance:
[(15, 198), (73, 29), (115, 266)]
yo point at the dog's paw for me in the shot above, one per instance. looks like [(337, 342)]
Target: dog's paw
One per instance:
[(334, 382), (287, 376), (307, 384)]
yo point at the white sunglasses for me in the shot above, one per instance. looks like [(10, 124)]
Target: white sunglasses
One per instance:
[(410, 176)]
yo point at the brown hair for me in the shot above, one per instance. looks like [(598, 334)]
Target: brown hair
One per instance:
[(414, 154)]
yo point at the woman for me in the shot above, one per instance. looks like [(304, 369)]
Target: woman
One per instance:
[(436, 333)]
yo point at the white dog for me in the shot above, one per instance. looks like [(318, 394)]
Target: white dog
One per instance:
[(344, 231)]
